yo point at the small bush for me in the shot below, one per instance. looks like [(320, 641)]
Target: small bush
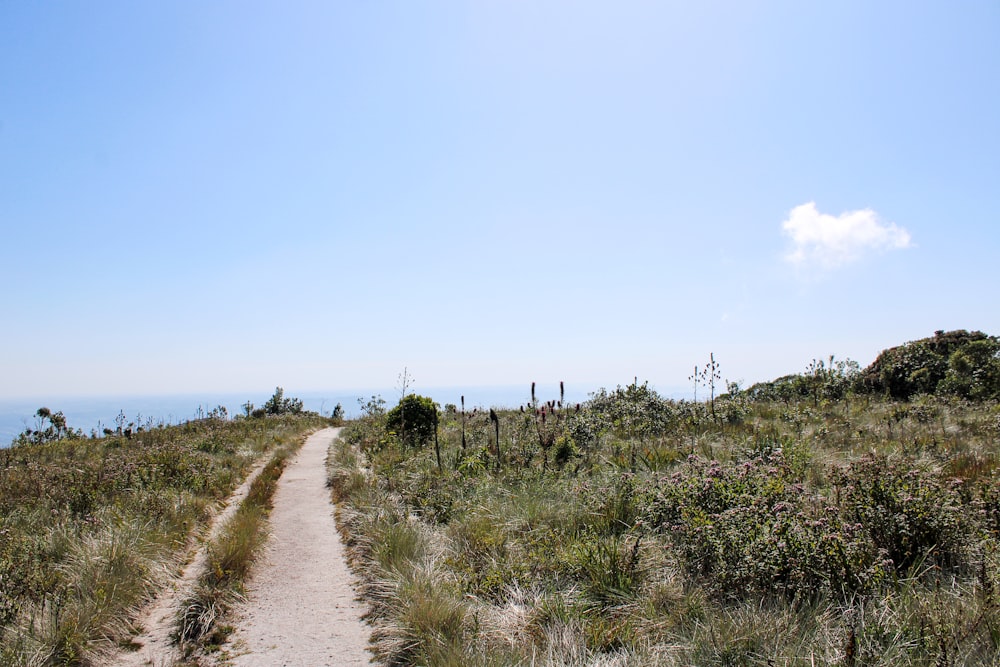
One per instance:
[(413, 419), (974, 371)]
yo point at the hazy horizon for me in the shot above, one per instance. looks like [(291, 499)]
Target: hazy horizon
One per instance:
[(96, 412)]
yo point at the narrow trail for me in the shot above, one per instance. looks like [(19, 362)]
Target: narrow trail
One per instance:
[(301, 609), (154, 645)]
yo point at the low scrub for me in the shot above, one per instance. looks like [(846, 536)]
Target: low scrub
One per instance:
[(794, 530)]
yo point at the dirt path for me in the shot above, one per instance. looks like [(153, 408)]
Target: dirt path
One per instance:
[(154, 645), (300, 609)]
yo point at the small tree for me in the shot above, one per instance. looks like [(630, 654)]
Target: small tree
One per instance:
[(405, 380), (463, 426), (374, 407), (419, 414), (831, 379), (279, 405), (815, 378)]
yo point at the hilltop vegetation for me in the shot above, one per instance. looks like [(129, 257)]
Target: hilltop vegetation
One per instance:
[(90, 526), (954, 363), (816, 519)]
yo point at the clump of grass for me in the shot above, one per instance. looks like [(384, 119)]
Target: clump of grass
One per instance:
[(609, 570), (416, 609), (431, 625), (348, 478)]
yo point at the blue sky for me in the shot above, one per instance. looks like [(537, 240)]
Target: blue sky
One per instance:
[(230, 196)]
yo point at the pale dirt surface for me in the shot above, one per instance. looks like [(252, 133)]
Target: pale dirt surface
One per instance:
[(158, 620), (301, 609)]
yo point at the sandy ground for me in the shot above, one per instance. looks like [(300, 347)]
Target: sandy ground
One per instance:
[(301, 609), (159, 618)]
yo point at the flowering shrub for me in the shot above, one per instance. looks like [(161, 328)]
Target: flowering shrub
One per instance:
[(749, 529), (909, 512)]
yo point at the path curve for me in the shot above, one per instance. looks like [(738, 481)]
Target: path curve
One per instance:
[(301, 609)]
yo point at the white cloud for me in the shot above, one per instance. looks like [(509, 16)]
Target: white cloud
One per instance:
[(827, 241)]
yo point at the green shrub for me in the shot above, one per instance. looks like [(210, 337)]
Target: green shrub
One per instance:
[(974, 371), (633, 410), (413, 420)]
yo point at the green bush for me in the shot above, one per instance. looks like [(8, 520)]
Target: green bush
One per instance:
[(909, 369), (413, 420), (633, 410), (974, 371)]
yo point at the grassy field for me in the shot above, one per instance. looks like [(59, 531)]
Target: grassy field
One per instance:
[(90, 526), (768, 527)]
